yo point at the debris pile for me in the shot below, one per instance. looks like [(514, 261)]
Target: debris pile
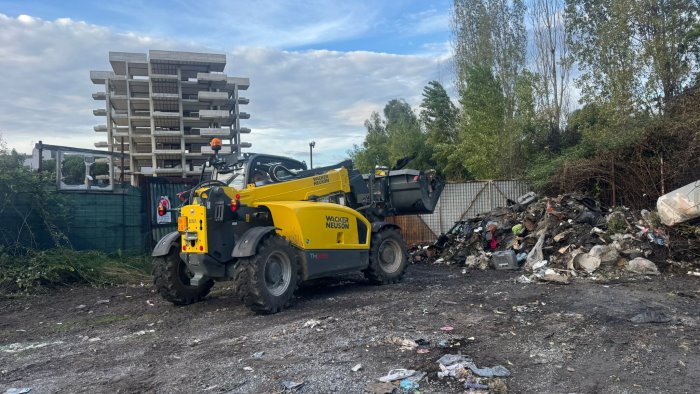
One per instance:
[(553, 239), (465, 370)]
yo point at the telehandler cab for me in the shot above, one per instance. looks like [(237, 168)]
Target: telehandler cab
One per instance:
[(268, 223)]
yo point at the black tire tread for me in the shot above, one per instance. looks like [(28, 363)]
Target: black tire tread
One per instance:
[(374, 272), (168, 284), (249, 289)]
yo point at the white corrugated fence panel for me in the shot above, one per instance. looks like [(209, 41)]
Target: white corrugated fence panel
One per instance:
[(467, 200)]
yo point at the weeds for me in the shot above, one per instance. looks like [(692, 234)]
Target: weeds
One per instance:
[(24, 270)]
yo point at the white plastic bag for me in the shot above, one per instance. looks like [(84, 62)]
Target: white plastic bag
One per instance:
[(680, 205)]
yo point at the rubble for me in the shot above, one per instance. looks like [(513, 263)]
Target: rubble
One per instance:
[(642, 266), (557, 239)]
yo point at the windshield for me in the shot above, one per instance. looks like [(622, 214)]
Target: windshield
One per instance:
[(235, 179), (266, 169)]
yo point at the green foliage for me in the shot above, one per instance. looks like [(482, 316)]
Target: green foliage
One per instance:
[(374, 150), (491, 34), (406, 139), (73, 169), (30, 270), (634, 54), (29, 205), (99, 169), (439, 117), (389, 139), (481, 126)]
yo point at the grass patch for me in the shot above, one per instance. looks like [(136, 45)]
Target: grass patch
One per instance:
[(25, 270)]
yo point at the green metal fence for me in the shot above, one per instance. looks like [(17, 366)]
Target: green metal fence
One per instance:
[(107, 221)]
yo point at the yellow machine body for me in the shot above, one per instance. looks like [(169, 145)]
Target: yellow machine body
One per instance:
[(192, 225), (318, 225)]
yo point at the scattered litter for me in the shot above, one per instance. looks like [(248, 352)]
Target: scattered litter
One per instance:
[(642, 266), (81, 306), (291, 385), (102, 302), (498, 371), (650, 316), (605, 253), (523, 279), (447, 328), (150, 303), (451, 359), (248, 369), (463, 368), (551, 275), (397, 374), (357, 367), (694, 273), (680, 205), (423, 351), (405, 344), (407, 384), (23, 390), (258, 354), (312, 323), (587, 262)]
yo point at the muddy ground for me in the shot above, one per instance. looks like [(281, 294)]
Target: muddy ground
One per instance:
[(574, 338)]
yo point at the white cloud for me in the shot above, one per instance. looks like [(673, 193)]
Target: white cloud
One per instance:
[(425, 22), (268, 23), (295, 97)]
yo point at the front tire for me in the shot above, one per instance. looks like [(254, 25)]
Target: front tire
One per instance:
[(266, 282), (172, 280), (388, 258)]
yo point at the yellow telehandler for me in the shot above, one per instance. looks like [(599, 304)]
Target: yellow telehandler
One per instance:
[(268, 223)]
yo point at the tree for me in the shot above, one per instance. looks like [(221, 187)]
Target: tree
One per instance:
[(405, 135), (489, 41), (439, 118), (480, 140), (374, 150), (394, 137), (73, 170), (552, 60), (636, 55), (490, 33), (27, 221)]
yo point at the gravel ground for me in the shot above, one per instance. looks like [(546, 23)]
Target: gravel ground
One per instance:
[(576, 338)]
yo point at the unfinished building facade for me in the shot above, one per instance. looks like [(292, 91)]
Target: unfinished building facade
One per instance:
[(162, 109)]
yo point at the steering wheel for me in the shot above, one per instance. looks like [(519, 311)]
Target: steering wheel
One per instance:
[(277, 169)]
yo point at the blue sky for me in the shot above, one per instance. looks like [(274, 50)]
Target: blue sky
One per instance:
[(317, 68), (398, 27)]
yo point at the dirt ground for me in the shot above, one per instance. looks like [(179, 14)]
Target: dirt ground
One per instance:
[(575, 338)]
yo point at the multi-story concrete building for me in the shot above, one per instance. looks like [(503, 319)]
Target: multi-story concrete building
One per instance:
[(164, 108)]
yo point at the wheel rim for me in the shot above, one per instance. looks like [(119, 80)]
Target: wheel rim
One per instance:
[(278, 273), (390, 255), (184, 273)]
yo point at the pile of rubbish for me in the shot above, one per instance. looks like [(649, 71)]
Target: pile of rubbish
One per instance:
[(452, 366), (554, 239)]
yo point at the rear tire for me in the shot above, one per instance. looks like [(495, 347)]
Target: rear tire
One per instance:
[(266, 282), (172, 280), (388, 258)]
